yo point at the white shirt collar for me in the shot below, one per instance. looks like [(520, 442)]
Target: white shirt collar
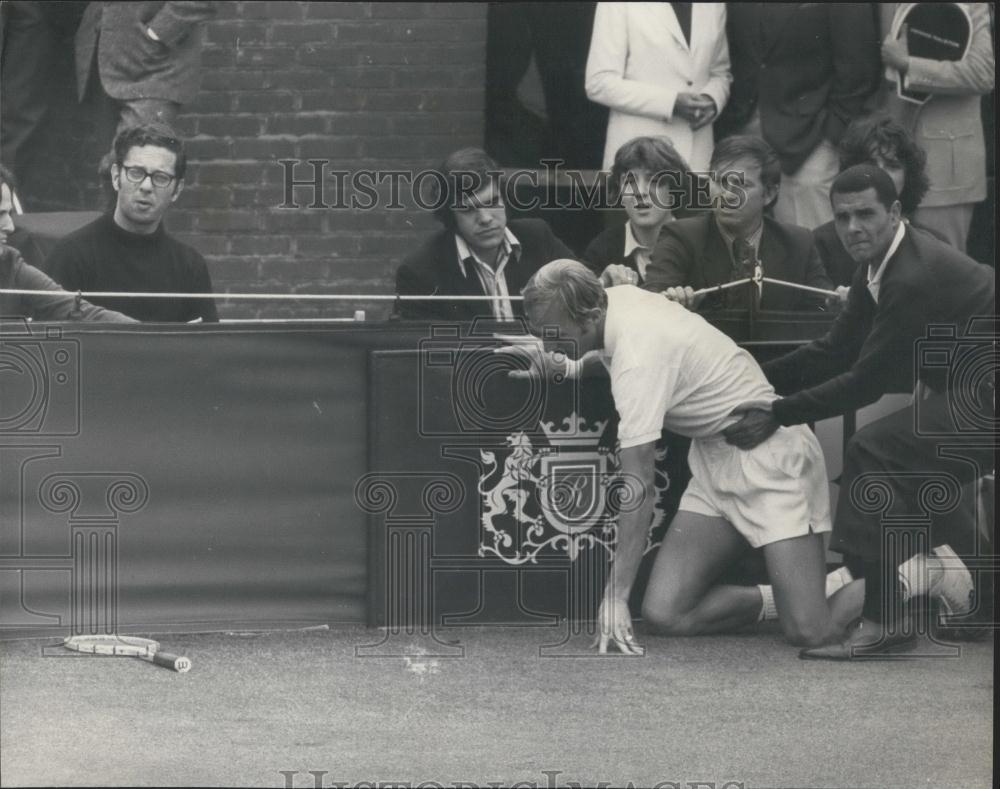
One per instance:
[(642, 256), (631, 242), (508, 246), (875, 277)]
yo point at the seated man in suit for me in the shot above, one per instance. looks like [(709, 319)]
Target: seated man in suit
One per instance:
[(727, 243), (15, 274), (478, 253), (650, 177)]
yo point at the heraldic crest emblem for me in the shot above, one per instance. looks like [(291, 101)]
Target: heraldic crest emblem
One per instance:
[(556, 498)]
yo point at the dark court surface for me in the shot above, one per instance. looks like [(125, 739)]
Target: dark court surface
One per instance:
[(491, 709)]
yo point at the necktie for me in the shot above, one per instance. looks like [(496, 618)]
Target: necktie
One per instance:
[(744, 264), (683, 13)]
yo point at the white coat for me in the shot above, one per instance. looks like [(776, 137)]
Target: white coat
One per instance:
[(639, 61)]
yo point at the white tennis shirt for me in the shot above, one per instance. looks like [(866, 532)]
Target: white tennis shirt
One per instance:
[(671, 369)]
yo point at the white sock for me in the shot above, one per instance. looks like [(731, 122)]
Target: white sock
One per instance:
[(767, 609), (837, 580), (574, 368), (914, 576)]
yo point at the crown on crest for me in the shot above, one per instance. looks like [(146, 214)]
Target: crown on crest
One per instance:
[(573, 430)]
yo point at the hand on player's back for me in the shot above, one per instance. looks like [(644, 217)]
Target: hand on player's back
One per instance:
[(756, 426)]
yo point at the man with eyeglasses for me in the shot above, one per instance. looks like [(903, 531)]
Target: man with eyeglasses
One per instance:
[(129, 250)]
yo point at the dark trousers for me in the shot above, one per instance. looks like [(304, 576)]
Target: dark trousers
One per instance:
[(906, 488), (31, 37)]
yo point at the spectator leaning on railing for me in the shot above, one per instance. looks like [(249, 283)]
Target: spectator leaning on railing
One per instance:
[(128, 249), (479, 252), (15, 274), (724, 244)]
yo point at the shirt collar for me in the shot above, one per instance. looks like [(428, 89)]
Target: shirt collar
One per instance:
[(509, 246), (875, 277), (631, 242), (753, 239)]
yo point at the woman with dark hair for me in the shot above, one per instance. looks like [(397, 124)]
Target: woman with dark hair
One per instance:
[(650, 178), (878, 140)]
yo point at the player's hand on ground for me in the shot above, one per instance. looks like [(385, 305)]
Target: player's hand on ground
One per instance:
[(683, 296), (618, 274), (615, 627), (755, 427)]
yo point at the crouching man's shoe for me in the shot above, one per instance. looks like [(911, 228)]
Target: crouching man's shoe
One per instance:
[(864, 639)]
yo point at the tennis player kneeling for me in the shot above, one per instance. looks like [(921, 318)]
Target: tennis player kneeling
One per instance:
[(670, 368)]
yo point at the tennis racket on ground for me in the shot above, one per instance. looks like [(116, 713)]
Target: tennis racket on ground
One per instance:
[(128, 646)]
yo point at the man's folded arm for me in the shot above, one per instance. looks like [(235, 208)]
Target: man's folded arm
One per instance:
[(177, 18), (61, 306)]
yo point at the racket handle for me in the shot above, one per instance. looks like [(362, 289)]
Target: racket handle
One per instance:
[(173, 662)]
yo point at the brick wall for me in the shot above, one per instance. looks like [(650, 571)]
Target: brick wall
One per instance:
[(363, 85)]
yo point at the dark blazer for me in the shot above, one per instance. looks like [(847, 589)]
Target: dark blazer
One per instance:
[(607, 248), (692, 252), (869, 350), (434, 270), (810, 66), (130, 64), (837, 261)]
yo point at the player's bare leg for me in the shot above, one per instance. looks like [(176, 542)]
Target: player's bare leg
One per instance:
[(846, 603), (682, 597), (798, 575)]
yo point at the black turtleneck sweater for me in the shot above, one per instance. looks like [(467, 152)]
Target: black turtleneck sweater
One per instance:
[(103, 256)]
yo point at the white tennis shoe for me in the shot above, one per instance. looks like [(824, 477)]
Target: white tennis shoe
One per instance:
[(942, 576)]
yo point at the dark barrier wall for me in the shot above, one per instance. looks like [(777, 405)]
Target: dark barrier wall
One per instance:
[(249, 444), (205, 477)]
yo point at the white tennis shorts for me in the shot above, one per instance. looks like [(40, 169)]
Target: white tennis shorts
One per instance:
[(772, 492)]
